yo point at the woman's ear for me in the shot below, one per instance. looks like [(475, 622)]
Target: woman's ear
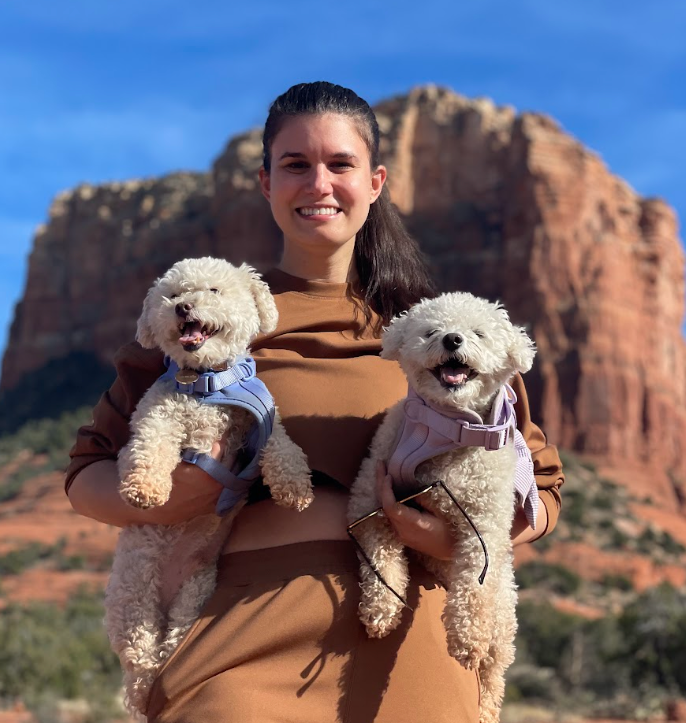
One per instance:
[(378, 180), (392, 338), (265, 183), (145, 335), (264, 301)]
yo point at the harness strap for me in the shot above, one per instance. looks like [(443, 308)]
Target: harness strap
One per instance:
[(235, 488), (237, 386), (427, 431)]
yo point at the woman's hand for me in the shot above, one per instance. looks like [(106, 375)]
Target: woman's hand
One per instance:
[(422, 531), (194, 492), (94, 493)]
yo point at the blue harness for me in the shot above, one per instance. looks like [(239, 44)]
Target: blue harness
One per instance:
[(236, 387)]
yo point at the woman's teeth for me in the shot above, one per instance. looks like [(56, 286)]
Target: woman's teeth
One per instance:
[(329, 211)]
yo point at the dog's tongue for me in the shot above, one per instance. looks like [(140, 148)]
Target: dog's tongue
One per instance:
[(450, 375), (192, 334)]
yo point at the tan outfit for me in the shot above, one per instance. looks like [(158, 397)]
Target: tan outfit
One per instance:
[(269, 627)]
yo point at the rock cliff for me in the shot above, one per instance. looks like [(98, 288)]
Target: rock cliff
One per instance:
[(507, 206)]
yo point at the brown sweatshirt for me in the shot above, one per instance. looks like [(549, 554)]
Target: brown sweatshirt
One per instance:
[(323, 369)]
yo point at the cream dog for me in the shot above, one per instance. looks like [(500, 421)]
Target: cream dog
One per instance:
[(203, 314), (458, 352)]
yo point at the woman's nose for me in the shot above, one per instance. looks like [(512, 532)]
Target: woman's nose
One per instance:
[(320, 180)]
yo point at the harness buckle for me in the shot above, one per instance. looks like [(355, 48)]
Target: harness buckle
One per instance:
[(190, 455), (496, 440)]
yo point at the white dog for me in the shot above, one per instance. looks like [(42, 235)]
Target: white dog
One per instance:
[(203, 314), (456, 425)]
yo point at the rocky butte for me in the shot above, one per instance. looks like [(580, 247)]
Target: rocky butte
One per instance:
[(505, 205)]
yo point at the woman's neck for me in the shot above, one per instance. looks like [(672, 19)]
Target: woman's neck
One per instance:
[(336, 267)]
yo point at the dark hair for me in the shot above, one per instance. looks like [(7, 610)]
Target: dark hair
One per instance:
[(390, 266)]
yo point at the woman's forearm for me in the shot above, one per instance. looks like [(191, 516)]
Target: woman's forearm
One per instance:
[(521, 532), (94, 493)]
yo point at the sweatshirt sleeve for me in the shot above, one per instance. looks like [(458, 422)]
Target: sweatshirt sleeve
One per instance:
[(137, 369), (547, 464)]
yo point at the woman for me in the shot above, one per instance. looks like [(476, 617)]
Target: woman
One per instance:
[(279, 639)]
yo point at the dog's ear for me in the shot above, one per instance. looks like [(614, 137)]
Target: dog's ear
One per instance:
[(266, 307), (392, 338), (144, 332), (521, 350)]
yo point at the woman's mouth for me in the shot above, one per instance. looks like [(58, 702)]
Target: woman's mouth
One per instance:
[(453, 373), (318, 213)]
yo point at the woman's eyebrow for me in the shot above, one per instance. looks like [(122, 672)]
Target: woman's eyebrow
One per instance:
[(291, 154), (296, 154)]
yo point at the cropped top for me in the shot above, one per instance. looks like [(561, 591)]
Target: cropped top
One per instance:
[(331, 387)]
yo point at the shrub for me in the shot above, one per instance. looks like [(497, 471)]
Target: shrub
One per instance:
[(575, 508), (617, 581), (62, 385), (52, 437), (45, 649), (555, 578), (16, 561)]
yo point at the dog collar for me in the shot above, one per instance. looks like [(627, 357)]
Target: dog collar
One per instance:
[(236, 386), (190, 381), (427, 431)]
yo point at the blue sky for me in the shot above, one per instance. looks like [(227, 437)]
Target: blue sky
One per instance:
[(97, 90)]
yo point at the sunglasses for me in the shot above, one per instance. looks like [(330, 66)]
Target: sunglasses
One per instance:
[(439, 483)]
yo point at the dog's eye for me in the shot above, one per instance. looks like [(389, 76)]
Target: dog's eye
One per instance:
[(479, 333), (429, 334), (173, 296), (215, 290)]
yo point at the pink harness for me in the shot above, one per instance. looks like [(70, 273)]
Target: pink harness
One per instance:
[(428, 431)]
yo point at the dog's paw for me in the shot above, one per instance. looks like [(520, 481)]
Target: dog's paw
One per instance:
[(470, 658), (293, 500), (377, 624), (142, 496)]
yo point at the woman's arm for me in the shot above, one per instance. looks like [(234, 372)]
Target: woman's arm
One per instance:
[(94, 492), (92, 479), (424, 532)]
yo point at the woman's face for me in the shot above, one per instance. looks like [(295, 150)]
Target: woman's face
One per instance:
[(320, 185)]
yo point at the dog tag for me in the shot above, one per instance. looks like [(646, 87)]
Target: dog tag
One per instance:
[(187, 376)]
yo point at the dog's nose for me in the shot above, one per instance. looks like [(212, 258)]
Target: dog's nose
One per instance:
[(452, 341), (183, 309)]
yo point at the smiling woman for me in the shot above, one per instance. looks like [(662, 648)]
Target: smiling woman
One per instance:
[(320, 194), (280, 638)]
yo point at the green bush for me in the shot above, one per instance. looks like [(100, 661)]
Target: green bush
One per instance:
[(622, 665), (604, 500), (617, 581), (16, 561), (60, 387), (544, 633), (576, 506), (46, 649), (52, 437), (553, 577)]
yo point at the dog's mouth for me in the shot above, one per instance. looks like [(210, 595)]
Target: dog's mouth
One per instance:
[(194, 334), (453, 373)]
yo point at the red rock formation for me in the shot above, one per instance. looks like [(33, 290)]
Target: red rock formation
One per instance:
[(507, 206)]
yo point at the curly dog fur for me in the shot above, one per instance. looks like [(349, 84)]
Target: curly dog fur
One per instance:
[(479, 619), (202, 313)]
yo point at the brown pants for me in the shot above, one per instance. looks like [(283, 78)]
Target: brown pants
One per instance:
[(280, 642)]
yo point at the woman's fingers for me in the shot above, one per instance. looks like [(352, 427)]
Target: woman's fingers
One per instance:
[(419, 530)]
